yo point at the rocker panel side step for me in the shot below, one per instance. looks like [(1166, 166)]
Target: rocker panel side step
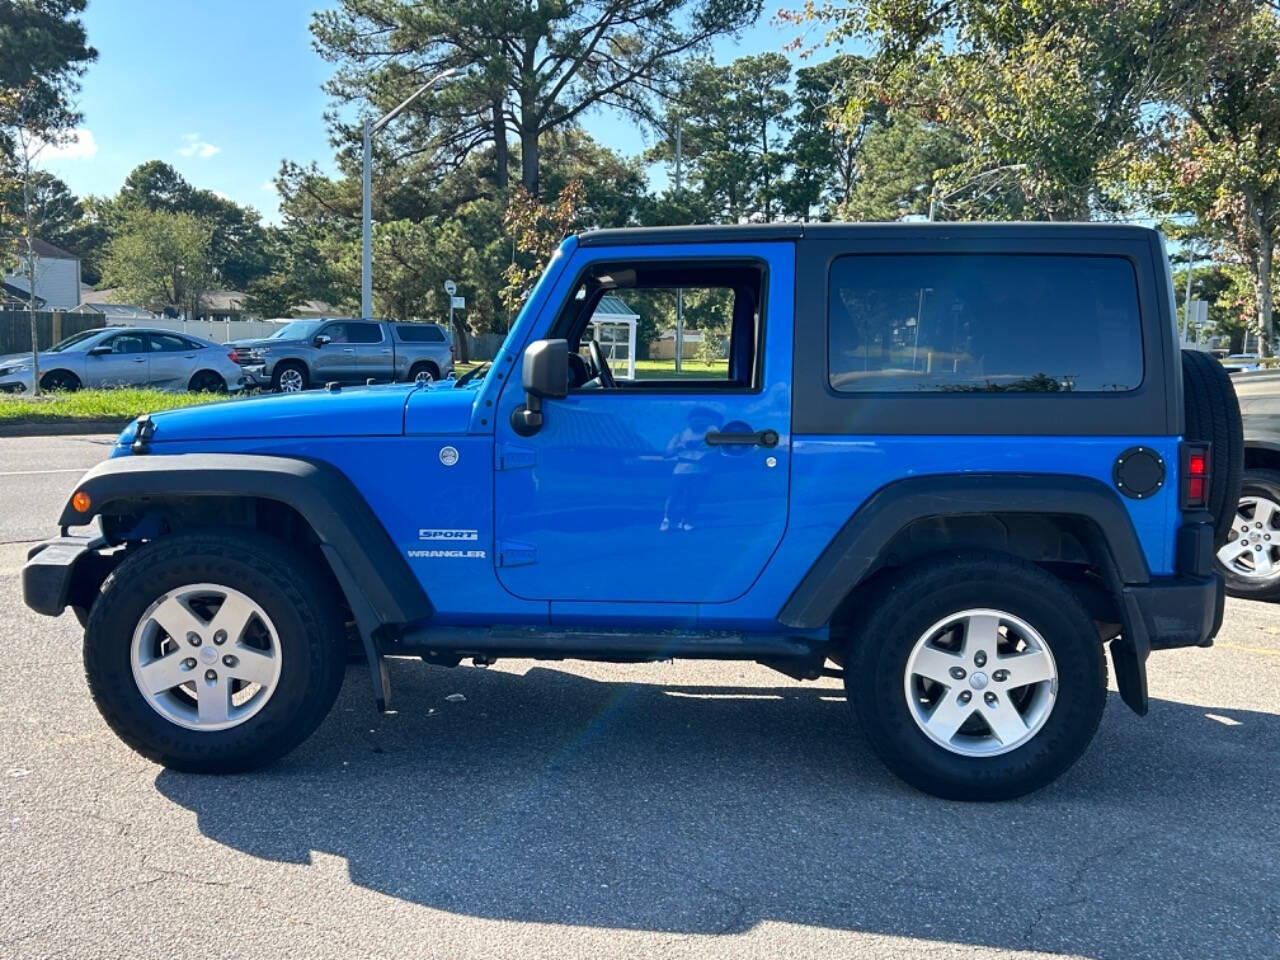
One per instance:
[(520, 641)]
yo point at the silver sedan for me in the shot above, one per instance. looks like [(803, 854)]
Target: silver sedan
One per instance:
[(128, 357)]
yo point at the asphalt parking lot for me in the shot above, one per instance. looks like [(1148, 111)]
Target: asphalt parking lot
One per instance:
[(581, 810)]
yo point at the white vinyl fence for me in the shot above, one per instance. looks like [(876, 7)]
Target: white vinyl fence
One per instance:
[(218, 331)]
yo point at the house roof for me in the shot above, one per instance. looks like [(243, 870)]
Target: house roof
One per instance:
[(14, 294), (226, 301), (49, 251), (125, 311), (611, 305)]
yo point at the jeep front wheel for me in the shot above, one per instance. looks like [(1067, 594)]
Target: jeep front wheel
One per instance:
[(978, 677), (209, 652)]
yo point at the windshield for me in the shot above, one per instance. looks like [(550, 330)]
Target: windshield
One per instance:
[(72, 340), (298, 330)]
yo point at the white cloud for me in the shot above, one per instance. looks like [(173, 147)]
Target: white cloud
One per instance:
[(193, 146), (79, 145), (268, 187)]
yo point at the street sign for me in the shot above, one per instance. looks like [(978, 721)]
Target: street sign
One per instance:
[(458, 303), (450, 287)]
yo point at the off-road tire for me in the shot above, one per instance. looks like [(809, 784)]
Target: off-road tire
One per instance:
[(919, 596), (1213, 416), (285, 584)]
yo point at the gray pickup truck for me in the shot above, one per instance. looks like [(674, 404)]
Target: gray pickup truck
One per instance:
[(308, 353)]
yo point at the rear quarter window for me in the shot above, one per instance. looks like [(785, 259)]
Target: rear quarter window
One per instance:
[(983, 323), (419, 333)]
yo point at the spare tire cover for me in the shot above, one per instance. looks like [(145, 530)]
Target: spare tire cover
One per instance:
[(1213, 416)]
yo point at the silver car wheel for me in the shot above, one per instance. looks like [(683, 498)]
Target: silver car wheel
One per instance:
[(206, 657), (290, 380), (1253, 552), (980, 682)]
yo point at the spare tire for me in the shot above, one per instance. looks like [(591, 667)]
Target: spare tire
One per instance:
[(1213, 417)]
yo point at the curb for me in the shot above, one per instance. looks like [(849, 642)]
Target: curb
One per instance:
[(59, 428)]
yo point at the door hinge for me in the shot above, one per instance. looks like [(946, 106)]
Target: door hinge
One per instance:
[(513, 554), (510, 456)]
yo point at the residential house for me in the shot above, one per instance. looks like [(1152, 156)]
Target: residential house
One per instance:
[(57, 278)]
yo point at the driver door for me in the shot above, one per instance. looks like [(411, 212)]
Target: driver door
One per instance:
[(334, 360), (627, 493), (126, 364)]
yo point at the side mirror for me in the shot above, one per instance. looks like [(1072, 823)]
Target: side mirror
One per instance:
[(99, 351), (544, 376), (321, 340)]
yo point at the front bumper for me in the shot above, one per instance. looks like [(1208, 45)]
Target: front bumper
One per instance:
[(65, 572), (254, 375)]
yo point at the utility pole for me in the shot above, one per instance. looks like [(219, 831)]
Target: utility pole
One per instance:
[(679, 290), (366, 228), (366, 219)]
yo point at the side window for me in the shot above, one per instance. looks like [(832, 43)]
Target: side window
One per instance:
[(128, 343), (336, 332), (420, 333), (169, 343), (983, 324), (632, 311), (364, 332)]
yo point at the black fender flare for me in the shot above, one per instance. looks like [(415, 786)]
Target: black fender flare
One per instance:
[(855, 550), (380, 587)]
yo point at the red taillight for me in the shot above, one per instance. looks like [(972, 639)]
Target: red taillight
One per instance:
[(235, 357), (1195, 476)]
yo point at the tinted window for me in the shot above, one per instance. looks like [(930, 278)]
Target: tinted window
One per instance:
[(420, 333), (364, 333), (989, 323), (170, 343)]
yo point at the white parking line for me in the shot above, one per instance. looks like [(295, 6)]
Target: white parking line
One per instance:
[(36, 473)]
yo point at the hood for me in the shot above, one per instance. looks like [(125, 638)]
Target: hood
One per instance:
[(350, 412), (379, 411)]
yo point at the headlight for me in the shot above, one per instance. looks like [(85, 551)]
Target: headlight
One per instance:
[(14, 368)]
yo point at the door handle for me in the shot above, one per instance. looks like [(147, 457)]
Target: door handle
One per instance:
[(761, 438), (139, 359), (348, 349)]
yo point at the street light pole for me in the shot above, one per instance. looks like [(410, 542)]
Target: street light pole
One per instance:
[(366, 233), (679, 290)]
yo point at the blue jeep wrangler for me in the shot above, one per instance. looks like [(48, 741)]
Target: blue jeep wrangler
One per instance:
[(949, 463)]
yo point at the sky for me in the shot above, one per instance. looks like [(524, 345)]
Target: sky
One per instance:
[(223, 90)]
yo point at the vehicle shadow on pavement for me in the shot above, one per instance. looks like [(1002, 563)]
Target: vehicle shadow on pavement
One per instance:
[(554, 798)]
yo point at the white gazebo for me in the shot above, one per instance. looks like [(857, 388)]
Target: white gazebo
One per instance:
[(614, 328)]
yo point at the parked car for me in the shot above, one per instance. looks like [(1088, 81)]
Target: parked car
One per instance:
[(947, 462), (128, 357), (307, 353), (1250, 559), (1241, 362)]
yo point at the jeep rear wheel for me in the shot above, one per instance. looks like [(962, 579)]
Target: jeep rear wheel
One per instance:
[(978, 677), (209, 652)]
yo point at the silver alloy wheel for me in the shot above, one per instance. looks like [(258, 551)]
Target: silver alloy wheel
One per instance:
[(290, 380), (1253, 552), (980, 682), (206, 657)]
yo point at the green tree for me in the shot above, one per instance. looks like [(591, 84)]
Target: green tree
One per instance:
[(825, 151), (1215, 155), (538, 67), (734, 121), (43, 55), (160, 259), (238, 241), (1049, 91), (898, 163)]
